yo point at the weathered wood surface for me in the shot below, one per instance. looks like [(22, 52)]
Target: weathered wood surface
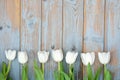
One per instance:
[(73, 31), (9, 32), (31, 30), (93, 28), (87, 25), (51, 32), (112, 36)]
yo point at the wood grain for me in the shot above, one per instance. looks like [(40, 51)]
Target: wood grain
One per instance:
[(112, 36), (51, 31), (93, 28), (31, 30), (73, 30), (9, 32)]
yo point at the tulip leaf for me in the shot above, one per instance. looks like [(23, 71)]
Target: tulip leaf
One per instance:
[(24, 72), (107, 74), (61, 69), (56, 75), (2, 76), (85, 78), (89, 72), (98, 73), (4, 68), (65, 75), (38, 72), (9, 78)]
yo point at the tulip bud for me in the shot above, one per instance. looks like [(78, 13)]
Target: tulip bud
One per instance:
[(22, 57), (57, 55), (43, 56), (10, 54), (88, 58), (71, 57), (104, 58)]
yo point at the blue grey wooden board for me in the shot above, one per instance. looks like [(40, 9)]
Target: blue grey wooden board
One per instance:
[(51, 32), (31, 31), (112, 36), (73, 31), (94, 29), (87, 25), (9, 32)]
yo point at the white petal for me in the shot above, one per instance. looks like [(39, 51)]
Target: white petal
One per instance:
[(57, 55), (22, 57), (104, 58), (10, 54)]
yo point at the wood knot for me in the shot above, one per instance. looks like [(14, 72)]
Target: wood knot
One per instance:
[(1, 27)]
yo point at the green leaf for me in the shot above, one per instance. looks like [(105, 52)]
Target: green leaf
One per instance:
[(9, 78), (56, 75), (61, 69), (38, 72), (66, 76), (89, 72), (85, 78), (24, 72), (2, 76), (107, 74), (98, 73), (4, 68)]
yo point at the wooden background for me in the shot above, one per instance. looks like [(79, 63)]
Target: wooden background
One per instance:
[(32, 25)]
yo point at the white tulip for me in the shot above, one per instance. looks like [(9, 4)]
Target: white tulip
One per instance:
[(104, 58), (22, 57), (88, 58), (43, 56), (10, 54), (71, 57), (57, 55)]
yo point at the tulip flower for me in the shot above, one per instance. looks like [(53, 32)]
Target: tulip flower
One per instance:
[(70, 58), (57, 55), (43, 57), (104, 58), (10, 55), (88, 58), (23, 58)]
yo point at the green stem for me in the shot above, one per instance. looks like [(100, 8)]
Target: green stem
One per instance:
[(71, 73), (8, 69), (104, 71), (59, 70), (43, 70), (58, 66)]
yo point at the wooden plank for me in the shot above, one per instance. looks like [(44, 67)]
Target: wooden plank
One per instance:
[(73, 30), (112, 36), (93, 28), (31, 30), (9, 32), (51, 31)]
